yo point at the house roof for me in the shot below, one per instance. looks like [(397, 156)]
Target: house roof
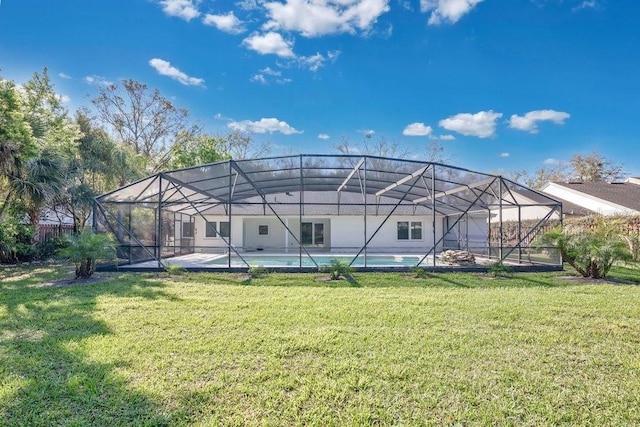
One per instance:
[(625, 194)]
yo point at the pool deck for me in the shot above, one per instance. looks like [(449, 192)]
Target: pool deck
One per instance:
[(206, 262)]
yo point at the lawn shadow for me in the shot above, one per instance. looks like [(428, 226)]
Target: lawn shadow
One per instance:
[(46, 376)]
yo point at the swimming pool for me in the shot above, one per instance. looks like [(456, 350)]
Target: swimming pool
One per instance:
[(268, 260)]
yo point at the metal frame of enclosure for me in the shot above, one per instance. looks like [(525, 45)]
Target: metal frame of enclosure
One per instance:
[(150, 218)]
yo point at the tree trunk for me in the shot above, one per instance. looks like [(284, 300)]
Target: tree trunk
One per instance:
[(85, 269)]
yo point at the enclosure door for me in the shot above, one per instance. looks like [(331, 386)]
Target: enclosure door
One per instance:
[(312, 233)]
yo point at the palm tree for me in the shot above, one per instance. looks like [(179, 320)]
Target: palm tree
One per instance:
[(38, 183)]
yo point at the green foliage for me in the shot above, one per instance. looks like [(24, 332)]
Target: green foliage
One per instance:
[(257, 272), (175, 269), (15, 242), (47, 248), (86, 248), (198, 150), (420, 272), (338, 268), (500, 269), (591, 252)]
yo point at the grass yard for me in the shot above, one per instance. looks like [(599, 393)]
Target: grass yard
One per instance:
[(209, 349)]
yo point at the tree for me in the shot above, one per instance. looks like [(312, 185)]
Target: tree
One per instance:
[(595, 167), (543, 176), (89, 171), (382, 147), (38, 185), (241, 145), (144, 120), (590, 251), (86, 248), (202, 149), (16, 139)]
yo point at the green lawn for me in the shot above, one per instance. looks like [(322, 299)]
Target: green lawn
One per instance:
[(388, 349)]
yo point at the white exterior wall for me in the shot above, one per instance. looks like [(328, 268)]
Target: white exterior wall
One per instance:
[(216, 244), (342, 233), (526, 212), (592, 203)]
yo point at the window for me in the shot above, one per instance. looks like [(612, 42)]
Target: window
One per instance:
[(263, 230), (409, 230), (312, 233), (403, 230), (225, 229), (187, 230), (416, 230), (214, 229), (210, 229)]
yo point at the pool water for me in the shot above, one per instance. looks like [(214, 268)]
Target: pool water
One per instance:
[(321, 260)]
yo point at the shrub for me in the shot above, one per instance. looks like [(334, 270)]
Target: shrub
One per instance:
[(256, 272), (15, 242), (175, 269), (50, 247), (591, 252), (86, 248), (338, 268), (419, 272), (499, 269)]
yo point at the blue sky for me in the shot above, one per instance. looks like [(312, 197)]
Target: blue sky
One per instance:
[(501, 84)]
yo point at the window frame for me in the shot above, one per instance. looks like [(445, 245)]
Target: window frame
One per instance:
[(411, 227)]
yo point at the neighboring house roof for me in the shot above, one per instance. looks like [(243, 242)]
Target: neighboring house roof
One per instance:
[(577, 196)]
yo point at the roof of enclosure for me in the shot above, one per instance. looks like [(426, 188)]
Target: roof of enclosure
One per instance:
[(323, 180)]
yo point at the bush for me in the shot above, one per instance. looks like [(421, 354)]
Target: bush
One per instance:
[(337, 269), (175, 269), (86, 248), (256, 272), (15, 242), (50, 247), (591, 252), (499, 269), (419, 272)]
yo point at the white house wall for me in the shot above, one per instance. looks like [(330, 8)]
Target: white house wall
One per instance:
[(342, 233)]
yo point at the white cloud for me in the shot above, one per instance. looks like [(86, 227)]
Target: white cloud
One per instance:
[(97, 80), (447, 10), (504, 154), (270, 43), (551, 161), (447, 138), (587, 4), (228, 23), (324, 136), (529, 122), (248, 5), (63, 98), (164, 68), (259, 78), (481, 124), (264, 125), (417, 129), (64, 76), (184, 9), (314, 18), (317, 61), (267, 75)]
